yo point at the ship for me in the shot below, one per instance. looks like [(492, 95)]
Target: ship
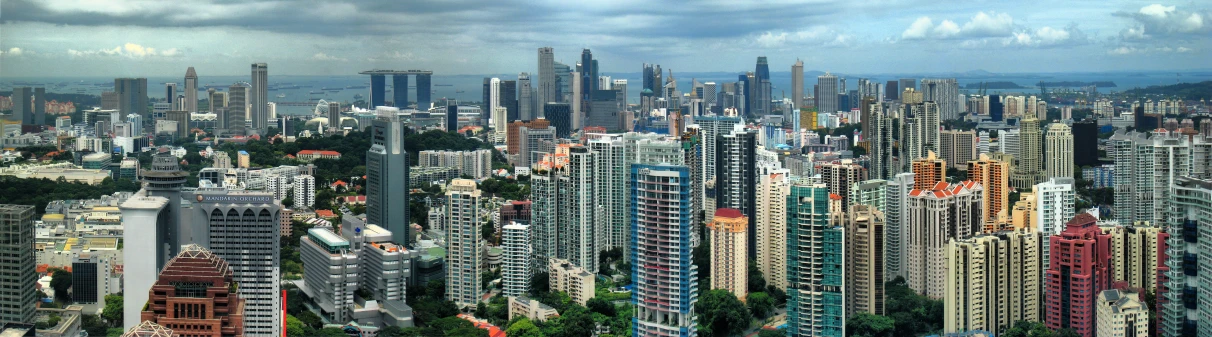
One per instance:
[(356, 87), (281, 96)]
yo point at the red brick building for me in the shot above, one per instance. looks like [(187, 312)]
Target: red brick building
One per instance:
[(195, 295)]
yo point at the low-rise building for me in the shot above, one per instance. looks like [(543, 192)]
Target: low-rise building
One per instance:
[(1120, 314), (311, 155), (532, 309), (571, 279)]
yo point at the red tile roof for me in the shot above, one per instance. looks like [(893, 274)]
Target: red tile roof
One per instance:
[(319, 152), (324, 213), (728, 213)]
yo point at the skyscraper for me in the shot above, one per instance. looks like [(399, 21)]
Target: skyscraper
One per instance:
[(736, 176), (895, 220), (578, 227), (23, 109), (1085, 143), (771, 226), (864, 260), (1077, 271), (387, 177), (610, 184), (463, 252), (933, 216), (906, 84), (18, 298), (526, 101), (815, 265), (1179, 310), (1059, 151), (993, 281), (994, 175), (826, 96), (666, 282), (132, 95), (170, 94), (1029, 170), (957, 147), (945, 93), (797, 84), (518, 259), (839, 176), (237, 107), (729, 266), (762, 86), (928, 171), (259, 98), (191, 90)]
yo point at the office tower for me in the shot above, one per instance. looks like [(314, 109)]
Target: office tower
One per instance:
[(170, 93), (1137, 252), (928, 172), (197, 295), (191, 90), (604, 110), (463, 254), (492, 97), (906, 84), (150, 234), (387, 177), (578, 228), (1119, 313), (864, 260), (838, 177), (259, 97), (994, 175), (1085, 143), (589, 72), (626, 117), (216, 100), (729, 266), (610, 185), (1077, 270), (762, 86), (24, 107), (576, 100), (826, 96), (771, 226), (815, 265), (933, 216), (896, 195), (182, 119), (1059, 142), (90, 278), (1179, 310), (132, 95), (1029, 170), (958, 147), (945, 93), (736, 175), (666, 280), (713, 127), (797, 84), (710, 93), (452, 118), (996, 108), (516, 270), (526, 101), (893, 89), (993, 281), (532, 141), (880, 140), (1146, 167), (237, 107), (330, 271), (18, 298)]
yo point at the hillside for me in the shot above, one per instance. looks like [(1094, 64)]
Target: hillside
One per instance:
[(1188, 91)]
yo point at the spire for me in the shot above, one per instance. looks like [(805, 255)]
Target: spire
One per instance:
[(189, 73)]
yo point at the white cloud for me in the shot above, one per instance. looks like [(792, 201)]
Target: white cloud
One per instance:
[(989, 25), (130, 50), (1157, 10), (326, 57), (981, 25), (947, 28), (918, 29), (14, 51), (1127, 50)]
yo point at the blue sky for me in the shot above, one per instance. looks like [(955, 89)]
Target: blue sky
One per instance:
[(341, 37)]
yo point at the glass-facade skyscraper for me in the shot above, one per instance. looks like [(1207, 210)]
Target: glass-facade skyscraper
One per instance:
[(662, 268), (815, 265)]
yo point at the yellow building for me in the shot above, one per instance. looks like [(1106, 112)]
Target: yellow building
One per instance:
[(992, 281), (864, 260), (566, 277), (808, 119), (1135, 254), (1120, 314), (729, 267)]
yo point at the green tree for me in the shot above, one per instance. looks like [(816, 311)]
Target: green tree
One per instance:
[(721, 314), (61, 281), (701, 256), (757, 281), (296, 328), (331, 332), (600, 306), (523, 328), (311, 319), (112, 312), (760, 304), (865, 324), (114, 332), (772, 333)]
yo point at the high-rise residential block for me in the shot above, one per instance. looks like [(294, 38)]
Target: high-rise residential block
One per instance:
[(865, 260), (1121, 314), (518, 259), (920, 125), (196, 294), (305, 191), (839, 177), (1059, 150), (18, 298), (872, 193), (1030, 156), (1146, 166), (928, 171), (579, 238), (944, 92), (771, 226), (729, 267), (994, 175), (610, 185), (815, 265), (736, 176), (958, 147), (1054, 204), (387, 177), (1078, 269), (934, 216), (1179, 309), (666, 280), (463, 252), (1137, 254), (993, 281), (259, 98), (895, 222)]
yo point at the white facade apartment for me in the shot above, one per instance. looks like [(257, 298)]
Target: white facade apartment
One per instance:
[(934, 217), (305, 191), (330, 272), (477, 163), (610, 183), (577, 224), (463, 252), (771, 226), (896, 195), (569, 278), (516, 272), (1059, 143), (1120, 314), (993, 281)]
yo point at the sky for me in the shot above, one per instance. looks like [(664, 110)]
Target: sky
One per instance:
[(342, 37)]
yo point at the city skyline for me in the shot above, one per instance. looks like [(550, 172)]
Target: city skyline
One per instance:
[(157, 38)]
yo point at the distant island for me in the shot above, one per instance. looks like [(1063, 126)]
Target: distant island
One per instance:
[(994, 85), (1188, 91), (1099, 84)]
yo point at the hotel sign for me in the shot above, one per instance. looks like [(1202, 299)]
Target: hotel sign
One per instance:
[(235, 199)]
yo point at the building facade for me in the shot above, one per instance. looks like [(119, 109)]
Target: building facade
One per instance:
[(1121, 314), (387, 177), (865, 260), (945, 212), (661, 252), (17, 295), (815, 265), (516, 270), (463, 252), (330, 273), (729, 268), (1058, 142), (771, 226), (993, 281), (196, 295), (1077, 270)]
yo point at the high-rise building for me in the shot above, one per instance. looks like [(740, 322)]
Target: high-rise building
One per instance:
[(170, 93), (815, 265), (713, 127), (259, 98), (23, 109), (305, 191), (1137, 252), (1120, 313), (1179, 309), (387, 177), (1054, 204), (1029, 170), (993, 281), (463, 252), (826, 95), (873, 193), (610, 185), (577, 282), (18, 298), (1085, 143), (945, 93), (736, 176), (237, 107), (920, 125), (1059, 151), (865, 260), (491, 98), (196, 294), (1146, 167), (839, 176), (518, 259), (932, 217), (132, 95), (928, 171), (880, 142), (526, 99), (771, 226), (191, 90), (1077, 270), (666, 281), (896, 194), (797, 84), (994, 175), (958, 147), (330, 273), (577, 226), (729, 266), (90, 278)]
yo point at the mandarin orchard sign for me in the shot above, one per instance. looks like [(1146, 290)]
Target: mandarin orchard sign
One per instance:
[(237, 199)]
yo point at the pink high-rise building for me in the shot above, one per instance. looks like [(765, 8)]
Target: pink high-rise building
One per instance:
[(1078, 270)]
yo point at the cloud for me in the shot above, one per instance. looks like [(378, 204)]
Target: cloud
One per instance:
[(988, 25), (1165, 21), (919, 29), (981, 25), (1129, 50), (326, 57), (129, 50), (14, 51), (1049, 37)]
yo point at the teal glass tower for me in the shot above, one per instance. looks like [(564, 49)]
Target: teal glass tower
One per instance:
[(815, 265)]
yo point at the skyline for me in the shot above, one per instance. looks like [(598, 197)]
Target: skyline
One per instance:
[(152, 38)]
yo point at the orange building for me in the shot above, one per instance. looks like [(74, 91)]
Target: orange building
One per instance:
[(511, 133), (196, 295), (994, 175), (928, 171), (729, 267)]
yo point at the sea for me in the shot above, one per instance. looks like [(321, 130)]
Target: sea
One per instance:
[(298, 95)]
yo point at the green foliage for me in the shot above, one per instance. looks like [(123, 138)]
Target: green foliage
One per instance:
[(600, 306), (506, 188), (296, 327), (865, 324), (523, 328), (94, 325), (114, 332), (39, 192), (429, 303), (721, 314), (61, 281), (331, 332), (112, 312), (772, 333), (540, 283), (757, 282), (311, 319), (779, 296), (1035, 329), (912, 313), (760, 304), (1186, 91), (701, 256), (488, 232)]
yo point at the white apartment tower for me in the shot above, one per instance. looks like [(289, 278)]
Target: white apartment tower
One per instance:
[(463, 252), (1059, 151)]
